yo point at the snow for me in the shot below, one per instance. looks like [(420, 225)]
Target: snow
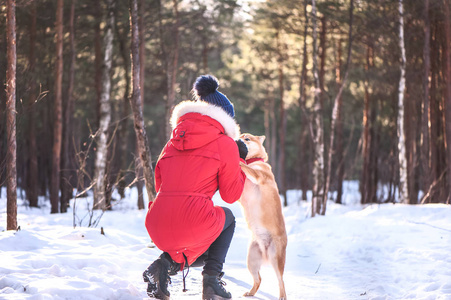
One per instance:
[(387, 251)]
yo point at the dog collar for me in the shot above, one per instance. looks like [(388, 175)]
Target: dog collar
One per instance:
[(251, 160)]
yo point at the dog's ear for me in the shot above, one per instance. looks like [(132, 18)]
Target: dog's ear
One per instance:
[(262, 138)]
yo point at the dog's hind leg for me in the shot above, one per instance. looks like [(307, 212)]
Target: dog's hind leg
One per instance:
[(254, 262), (276, 256)]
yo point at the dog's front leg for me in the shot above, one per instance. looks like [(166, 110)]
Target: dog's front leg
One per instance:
[(251, 174)]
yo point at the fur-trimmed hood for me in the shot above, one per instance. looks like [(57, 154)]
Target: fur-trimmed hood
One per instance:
[(231, 128)]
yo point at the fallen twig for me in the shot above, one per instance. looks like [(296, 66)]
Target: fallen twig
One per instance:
[(421, 223), (318, 269)]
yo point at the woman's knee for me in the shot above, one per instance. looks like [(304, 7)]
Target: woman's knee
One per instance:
[(229, 218)]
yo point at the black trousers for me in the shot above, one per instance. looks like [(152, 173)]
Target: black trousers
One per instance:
[(213, 259)]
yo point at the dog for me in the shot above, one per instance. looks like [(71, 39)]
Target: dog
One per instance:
[(263, 212)]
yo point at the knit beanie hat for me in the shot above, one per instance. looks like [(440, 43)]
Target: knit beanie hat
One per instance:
[(205, 89)]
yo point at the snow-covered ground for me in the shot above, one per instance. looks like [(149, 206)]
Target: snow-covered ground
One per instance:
[(375, 252)]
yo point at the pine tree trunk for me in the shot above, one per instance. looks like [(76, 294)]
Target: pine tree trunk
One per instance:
[(318, 137), (32, 186), (272, 138), (98, 58), (304, 143), (58, 112), (374, 152), (434, 116), (364, 186), (139, 176), (403, 184), (412, 126), (425, 159), (11, 152), (443, 186), (105, 113), (171, 73), (142, 48), (3, 66), (322, 56), (138, 166), (123, 129), (139, 170), (283, 122), (448, 95), (322, 72), (267, 123), (136, 103), (67, 173), (335, 114), (339, 148)]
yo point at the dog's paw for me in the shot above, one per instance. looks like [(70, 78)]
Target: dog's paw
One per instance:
[(248, 294)]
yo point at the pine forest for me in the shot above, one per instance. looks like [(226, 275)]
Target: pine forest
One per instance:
[(343, 90)]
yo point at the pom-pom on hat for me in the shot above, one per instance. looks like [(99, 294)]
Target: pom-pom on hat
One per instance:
[(205, 89)]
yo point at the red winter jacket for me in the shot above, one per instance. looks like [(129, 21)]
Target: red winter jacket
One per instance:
[(200, 158)]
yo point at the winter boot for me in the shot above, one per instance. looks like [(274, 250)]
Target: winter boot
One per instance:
[(174, 267), (157, 278), (213, 287)]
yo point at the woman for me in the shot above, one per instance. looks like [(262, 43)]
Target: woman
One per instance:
[(200, 158)]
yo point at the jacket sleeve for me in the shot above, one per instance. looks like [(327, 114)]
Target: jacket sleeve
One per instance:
[(157, 178), (230, 177), (157, 170)]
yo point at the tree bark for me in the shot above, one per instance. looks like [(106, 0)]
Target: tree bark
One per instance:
[(442, 188), (58, 111), (403, 183), (139, 176), (171, 73), (3, 66), (318, 136), (336, 112), (105, 113), (339, 149), (425, 158), (374, 147), (273, 128), (136, 103), (138, 167), (448, 95), (32, 186), (322, 56), (364, 186), (282, 120), (142, 48), (123, 130), (98, 58), (435, 168), (268, 123), (11, 154), (304, 122), (67, 172)]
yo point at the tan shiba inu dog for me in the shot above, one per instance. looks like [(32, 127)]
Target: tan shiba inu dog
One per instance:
[(263, 212)]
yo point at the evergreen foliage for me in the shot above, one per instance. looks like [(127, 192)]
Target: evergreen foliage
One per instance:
[(236, 41)]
